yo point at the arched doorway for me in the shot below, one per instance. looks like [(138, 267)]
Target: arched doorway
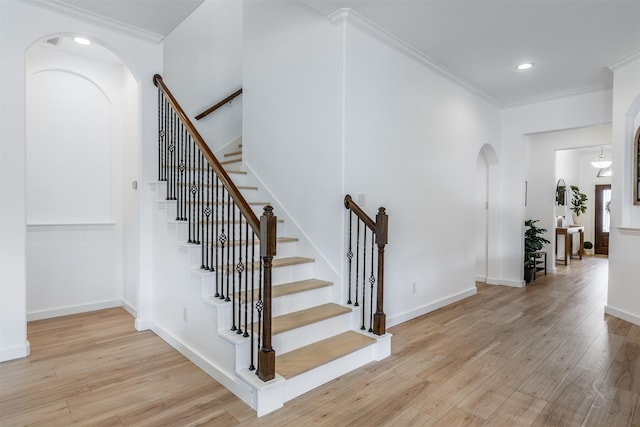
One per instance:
[(82, 149), (485, 191)]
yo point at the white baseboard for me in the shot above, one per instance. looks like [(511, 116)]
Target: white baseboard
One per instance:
[(621, 314), (130, 308), (417, 312), (73, 309), (512, 283), (15, 352), (480, 278), (228, 380)]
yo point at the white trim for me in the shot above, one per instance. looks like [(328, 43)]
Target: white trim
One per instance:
[(624, 60), (71, 226), (15, 352), (621, 314), (130, 308), (349, 15), (73, 309), (417, 312), (629, 231), (513, 283), (600, 87), (94, 18), (229, 380), (480, 278)]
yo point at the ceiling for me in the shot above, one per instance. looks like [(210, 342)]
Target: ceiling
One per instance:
[(480, 42)]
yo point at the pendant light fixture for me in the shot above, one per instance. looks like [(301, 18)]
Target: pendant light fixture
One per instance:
[(601, 163)]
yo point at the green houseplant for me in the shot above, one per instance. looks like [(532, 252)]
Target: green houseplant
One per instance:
[(578, 203), (533, 242)]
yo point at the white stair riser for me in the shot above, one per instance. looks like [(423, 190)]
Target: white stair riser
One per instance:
[(281, 305), (300, 337), (307, 381)]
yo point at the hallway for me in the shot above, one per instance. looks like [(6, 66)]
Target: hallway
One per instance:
[(542, 355)]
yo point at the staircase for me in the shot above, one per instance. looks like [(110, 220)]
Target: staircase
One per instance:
[(315, 337)]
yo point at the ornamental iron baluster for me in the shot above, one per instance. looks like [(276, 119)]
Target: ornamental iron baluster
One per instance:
[(364, 269), (372, 281), (350, 255)]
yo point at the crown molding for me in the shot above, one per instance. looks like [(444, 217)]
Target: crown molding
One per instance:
[(94, 18), (624, 60), (349, 16), (561, 94)]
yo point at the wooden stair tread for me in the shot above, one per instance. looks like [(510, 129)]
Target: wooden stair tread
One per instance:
[(237, 221), (304, 359), (234, 153), (228, 162), (298, 319), (293, 288), (244, 242), (277, 262), (240, 187)]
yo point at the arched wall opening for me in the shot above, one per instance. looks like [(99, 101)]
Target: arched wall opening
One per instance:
[(486, 267), (82, 168)]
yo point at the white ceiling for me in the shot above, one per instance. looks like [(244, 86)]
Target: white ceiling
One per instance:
[(571, 42)]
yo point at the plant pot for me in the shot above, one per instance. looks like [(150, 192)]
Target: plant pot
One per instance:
[(577, 219), (528, 274), (588, 252)]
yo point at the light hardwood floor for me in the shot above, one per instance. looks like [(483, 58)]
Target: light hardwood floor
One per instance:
[(545, 355)]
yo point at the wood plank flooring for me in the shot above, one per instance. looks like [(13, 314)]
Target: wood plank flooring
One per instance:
[(545, 355)]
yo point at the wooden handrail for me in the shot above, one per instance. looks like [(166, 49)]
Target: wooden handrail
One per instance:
[(350, 204), (242, 204), (219, 104)]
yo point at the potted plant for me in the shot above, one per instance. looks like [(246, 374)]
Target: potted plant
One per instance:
[(588, 248), (578, 204), (533, 242)]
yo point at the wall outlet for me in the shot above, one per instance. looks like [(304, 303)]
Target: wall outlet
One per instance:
[(361, 199), (413, 287), (185, 314)]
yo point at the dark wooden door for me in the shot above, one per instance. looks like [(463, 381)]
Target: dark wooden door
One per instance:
[(602, 201)]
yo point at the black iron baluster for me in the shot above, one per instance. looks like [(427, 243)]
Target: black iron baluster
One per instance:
[(222, 239), (172, 163), (259, 308), (252, 366), (357, 260), (159, 134), (233, 257), (350, 255), (372, 281), (204, 224), (246, 281), (228, 267), (216, 219), (364, 272), (240, 270)]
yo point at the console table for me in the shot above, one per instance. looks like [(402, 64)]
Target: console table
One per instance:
[(568, 233)]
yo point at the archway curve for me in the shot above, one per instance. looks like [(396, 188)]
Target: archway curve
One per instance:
[(486, 203)]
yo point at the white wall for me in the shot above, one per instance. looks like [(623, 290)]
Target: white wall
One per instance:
[(293, 118), (624, 244), (412, 143), (543, 172), (21, 26), (203, 64), (570, 112)]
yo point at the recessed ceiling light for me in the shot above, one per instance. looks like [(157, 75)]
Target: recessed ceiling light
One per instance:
[(82, 40), (525, 66)]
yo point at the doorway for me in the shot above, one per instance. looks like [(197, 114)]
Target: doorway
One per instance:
[(602, 219), (81, 159)]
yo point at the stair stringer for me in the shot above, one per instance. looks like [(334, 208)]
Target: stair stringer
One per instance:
[(323, 267)]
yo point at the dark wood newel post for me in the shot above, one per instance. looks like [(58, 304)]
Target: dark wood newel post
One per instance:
[(379, 318), (267, 355)]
